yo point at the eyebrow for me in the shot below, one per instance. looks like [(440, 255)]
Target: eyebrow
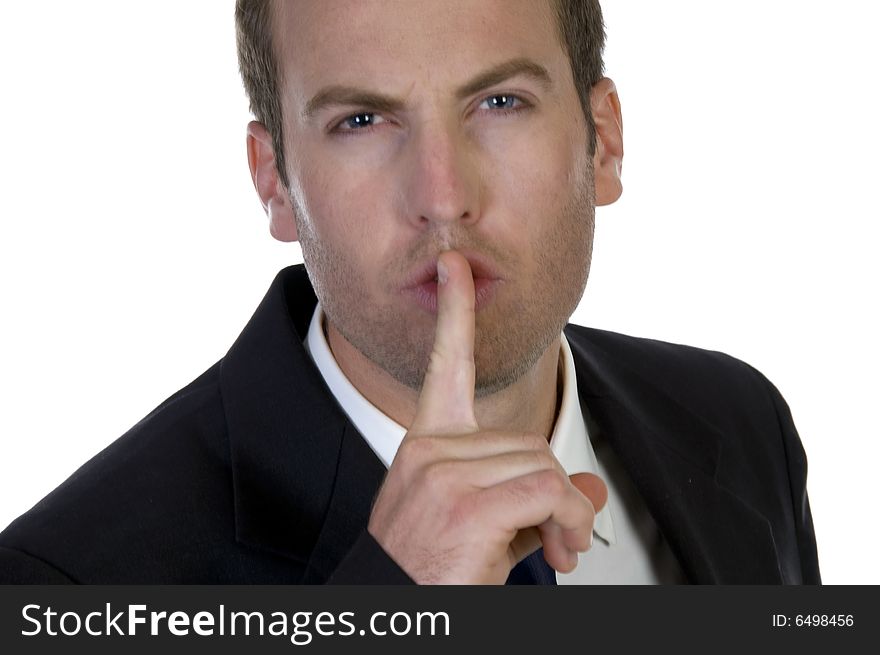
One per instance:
[(349, 95)]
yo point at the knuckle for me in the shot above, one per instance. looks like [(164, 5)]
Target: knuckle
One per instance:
[(538, 460), (411, 457), (438, 477), (533, 441), (551, 482), (548, 460), (416, 448), (522, 490), (462, 512)]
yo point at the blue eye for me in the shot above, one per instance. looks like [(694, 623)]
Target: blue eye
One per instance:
[(359, 121), (502, 101), (363, 121)]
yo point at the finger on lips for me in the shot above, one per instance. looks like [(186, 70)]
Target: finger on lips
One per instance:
[(446, 402), (518, 486)]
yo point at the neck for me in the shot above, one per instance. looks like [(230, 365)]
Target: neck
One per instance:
[(530, 404)]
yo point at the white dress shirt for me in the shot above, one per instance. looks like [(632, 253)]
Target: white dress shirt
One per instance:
[(627, 546)]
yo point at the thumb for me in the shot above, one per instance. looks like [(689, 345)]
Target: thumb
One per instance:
[(592, 487)]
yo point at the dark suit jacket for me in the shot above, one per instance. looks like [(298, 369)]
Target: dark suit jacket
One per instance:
[(253, 474)]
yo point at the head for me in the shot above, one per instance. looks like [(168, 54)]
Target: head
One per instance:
[(380, 141)]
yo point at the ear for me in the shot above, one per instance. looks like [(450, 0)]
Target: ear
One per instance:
[(608, 159), (273, 195)]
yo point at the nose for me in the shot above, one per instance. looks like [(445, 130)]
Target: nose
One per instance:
[(442, 178)]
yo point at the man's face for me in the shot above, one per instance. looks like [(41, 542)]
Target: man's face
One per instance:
[(500, 173)]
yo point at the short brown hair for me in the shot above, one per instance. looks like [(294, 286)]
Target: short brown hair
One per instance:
[(581, 32)]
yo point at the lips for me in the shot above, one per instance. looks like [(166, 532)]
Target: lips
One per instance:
[(421, 286)]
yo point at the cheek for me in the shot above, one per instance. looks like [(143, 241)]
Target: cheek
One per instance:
[(344, 215), (534, 181), (336, 203)]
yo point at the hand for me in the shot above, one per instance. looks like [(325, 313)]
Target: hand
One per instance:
[(463, 506)]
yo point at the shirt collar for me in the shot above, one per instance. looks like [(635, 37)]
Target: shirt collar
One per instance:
[(570, 441)]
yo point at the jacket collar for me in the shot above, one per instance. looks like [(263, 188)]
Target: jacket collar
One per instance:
[(304, 480)]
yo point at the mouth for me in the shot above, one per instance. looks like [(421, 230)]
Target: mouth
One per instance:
[(421, 286)]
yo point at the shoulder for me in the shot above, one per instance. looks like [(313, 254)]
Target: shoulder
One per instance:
[(652, 355), (727, 395), (152, 488), (696, 376), (705, 401)]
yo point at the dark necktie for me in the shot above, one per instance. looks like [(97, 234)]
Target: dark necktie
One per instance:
[(532, 570)]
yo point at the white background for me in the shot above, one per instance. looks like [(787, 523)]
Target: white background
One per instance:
[(133, 248)]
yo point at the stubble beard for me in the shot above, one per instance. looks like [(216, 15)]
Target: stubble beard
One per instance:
[(511, 333)]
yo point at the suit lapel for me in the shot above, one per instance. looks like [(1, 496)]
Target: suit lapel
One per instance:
[(360, 475), (673, 456), (285, 430), (303, 477)]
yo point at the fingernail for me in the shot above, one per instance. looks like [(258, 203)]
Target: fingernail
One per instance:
[(442, 272)]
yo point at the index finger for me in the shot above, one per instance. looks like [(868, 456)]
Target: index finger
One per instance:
[(446, 402)]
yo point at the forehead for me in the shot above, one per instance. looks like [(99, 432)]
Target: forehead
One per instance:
[(397, 44)]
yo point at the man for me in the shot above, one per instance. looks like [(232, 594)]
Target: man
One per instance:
[(410, 405)]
